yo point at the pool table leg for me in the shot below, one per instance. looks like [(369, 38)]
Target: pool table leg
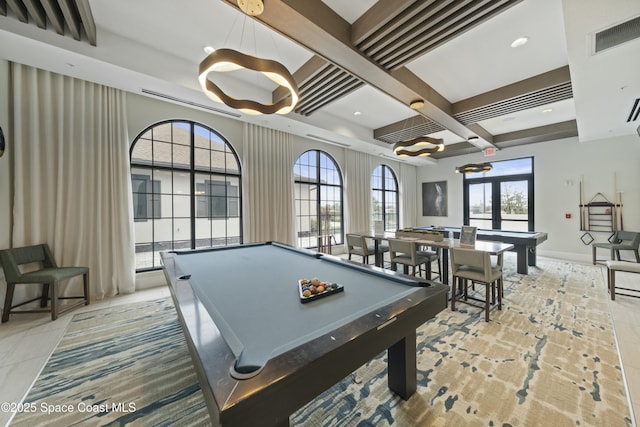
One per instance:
[(521, 254), (402, 367), (531, 257)]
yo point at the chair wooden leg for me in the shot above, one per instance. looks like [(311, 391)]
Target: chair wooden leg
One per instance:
[(493, 293), (87, 289), (54, 300), (45, 295), (612, 283), (487, 302), (8, 300), (454, 290)]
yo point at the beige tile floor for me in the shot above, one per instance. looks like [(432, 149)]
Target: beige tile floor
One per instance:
[(27, 341)]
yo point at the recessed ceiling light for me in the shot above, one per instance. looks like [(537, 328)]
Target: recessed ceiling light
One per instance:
[(208, 49), (357, 113), (547, 110), (520, 41)]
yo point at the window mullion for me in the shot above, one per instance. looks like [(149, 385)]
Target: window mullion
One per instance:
[(192, 184)]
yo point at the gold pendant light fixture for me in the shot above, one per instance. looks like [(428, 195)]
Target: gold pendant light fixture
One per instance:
[(474, 168), (227, 60), (418, 147), (421, 146)]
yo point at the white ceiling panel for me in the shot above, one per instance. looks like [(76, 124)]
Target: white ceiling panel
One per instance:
[(482, 59)]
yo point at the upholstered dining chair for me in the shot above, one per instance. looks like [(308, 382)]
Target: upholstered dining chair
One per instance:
[(434, 256), (357, 245), (620, 241), (49, 275), (470, 267), (402, 251)]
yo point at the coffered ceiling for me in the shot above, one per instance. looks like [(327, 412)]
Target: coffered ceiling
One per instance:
[(359, 64)]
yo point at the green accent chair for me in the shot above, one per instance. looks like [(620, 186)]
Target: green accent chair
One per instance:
[(620, 241), (49, 276)]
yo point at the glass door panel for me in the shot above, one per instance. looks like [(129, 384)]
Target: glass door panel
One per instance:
[(514, 205), (480, 205)]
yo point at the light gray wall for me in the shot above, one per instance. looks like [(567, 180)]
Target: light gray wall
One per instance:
[(559, 167)]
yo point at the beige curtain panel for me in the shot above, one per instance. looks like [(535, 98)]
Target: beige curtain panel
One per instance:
[(268, 211), (72, 183), (358, 169)]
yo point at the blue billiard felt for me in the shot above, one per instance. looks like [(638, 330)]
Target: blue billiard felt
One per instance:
[(252, 295)]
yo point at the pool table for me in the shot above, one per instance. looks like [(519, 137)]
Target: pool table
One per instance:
[(524, 243), (260, 353)]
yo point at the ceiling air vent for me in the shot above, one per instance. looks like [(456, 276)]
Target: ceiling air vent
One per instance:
[(186, 102), (617, 34)]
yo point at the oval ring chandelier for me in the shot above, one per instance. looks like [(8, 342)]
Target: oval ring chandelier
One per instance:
[(421, 146), (474, 168), (224, 60)]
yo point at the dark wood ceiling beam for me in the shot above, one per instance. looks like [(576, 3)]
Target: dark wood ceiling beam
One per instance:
[(331, 81), (449, 24), (412, 24), (89, 25), (301, 76), (530, 85), (52, 9), (71, 17), (552, 132), (452, 150), (319, 83), (402, 22), (19, 9), (36, 11), (328, 97), (319, 29), (376, 18)]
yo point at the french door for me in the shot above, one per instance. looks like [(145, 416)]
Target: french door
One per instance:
[(500, 203)]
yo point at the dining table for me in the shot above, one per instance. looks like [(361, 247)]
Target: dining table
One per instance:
[(492, 247)]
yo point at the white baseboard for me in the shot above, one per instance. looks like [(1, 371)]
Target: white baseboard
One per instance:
[(150, 279)]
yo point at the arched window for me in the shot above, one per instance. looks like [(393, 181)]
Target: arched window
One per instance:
[(186, 190), (385, 198), (318, 189)]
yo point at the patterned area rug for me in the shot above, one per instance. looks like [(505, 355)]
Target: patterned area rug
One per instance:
[(547, 359)]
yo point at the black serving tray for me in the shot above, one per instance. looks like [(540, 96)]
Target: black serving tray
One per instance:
[(314, 297)]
